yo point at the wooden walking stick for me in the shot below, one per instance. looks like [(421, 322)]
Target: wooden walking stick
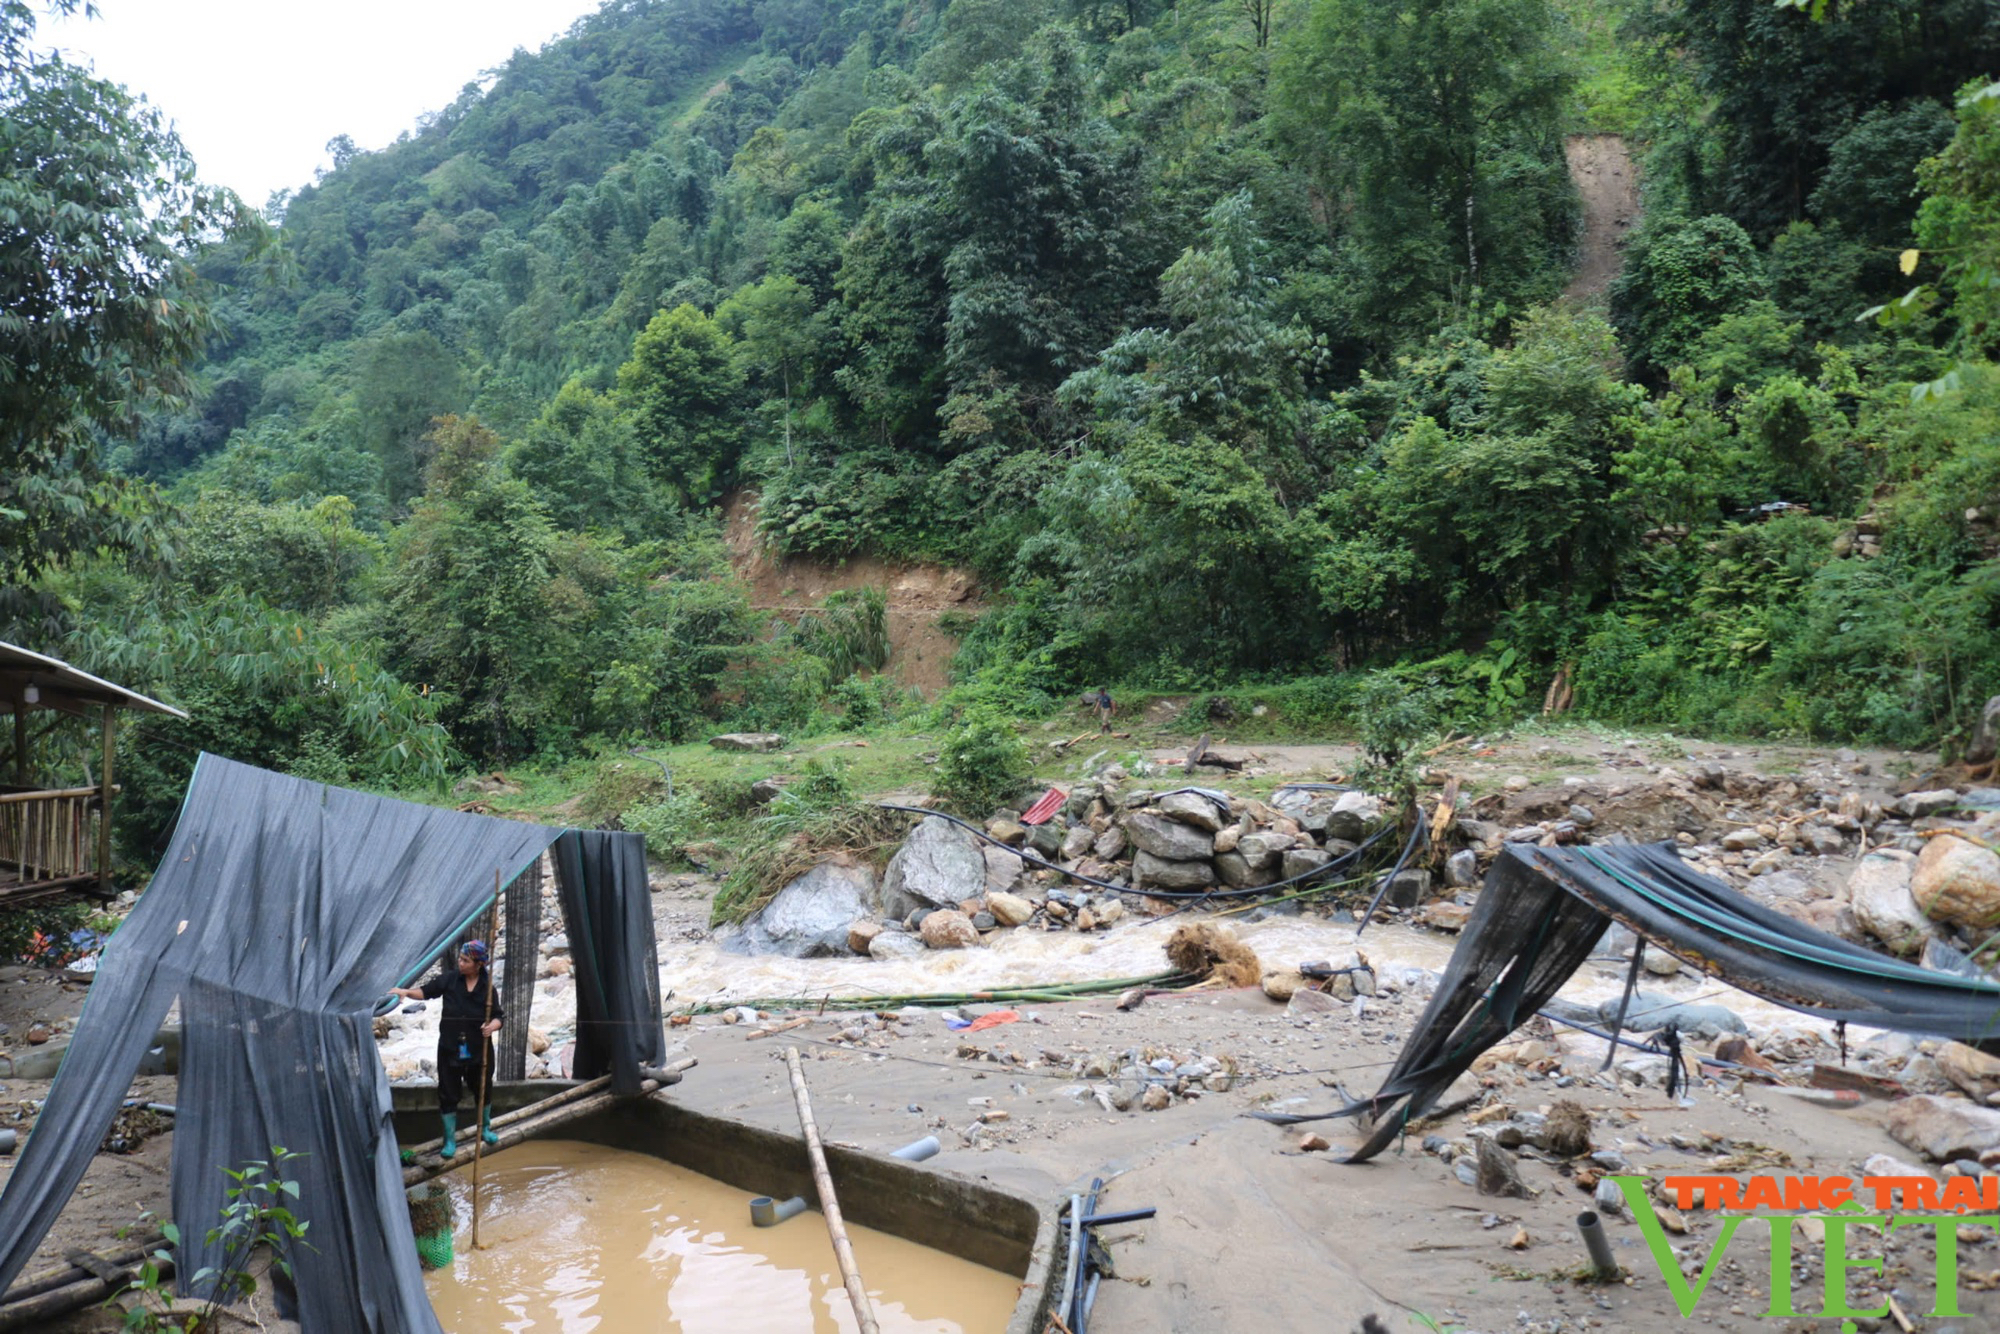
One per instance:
[(485, 1063), (864, 1313)]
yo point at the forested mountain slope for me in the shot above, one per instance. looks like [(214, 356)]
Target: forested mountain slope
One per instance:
[(1223, 339)]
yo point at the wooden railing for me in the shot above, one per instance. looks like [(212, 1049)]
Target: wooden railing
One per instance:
[(49, 838)]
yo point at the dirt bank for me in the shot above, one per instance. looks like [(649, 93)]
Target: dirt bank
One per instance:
[(1609, 186), (920, 652)]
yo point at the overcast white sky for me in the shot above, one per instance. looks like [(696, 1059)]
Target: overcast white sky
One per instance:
[(257, 87)]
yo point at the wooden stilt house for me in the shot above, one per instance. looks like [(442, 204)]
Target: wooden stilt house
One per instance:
[(57, 840)]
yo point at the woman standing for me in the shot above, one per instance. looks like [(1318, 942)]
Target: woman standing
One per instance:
[(472, 1016)]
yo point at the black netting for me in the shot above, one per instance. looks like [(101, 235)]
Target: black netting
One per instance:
[(1542, 911), (606, 910), (282, 912)]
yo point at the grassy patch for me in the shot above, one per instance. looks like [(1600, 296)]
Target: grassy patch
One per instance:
[(795, 837)]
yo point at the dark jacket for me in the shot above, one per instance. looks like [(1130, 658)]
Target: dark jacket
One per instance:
[(464, 1013)]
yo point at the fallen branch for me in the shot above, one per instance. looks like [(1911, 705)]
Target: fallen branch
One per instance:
[(785, 1027)]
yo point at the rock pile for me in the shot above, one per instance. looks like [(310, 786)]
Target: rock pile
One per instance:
[(1148, 1079), (945, 888), (1789, 842), (1193, 838), (1946, 892), (1893, 871)]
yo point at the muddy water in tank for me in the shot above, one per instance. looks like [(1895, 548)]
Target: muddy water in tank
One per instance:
[(582, 1239)]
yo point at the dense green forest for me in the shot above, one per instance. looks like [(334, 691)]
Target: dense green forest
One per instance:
[(1224, 339)]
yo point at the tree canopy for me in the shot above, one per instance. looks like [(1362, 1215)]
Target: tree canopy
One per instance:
[(1223, 342)]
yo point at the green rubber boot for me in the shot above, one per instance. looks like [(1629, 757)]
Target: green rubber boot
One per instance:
[(486, 1131), (449, 1149)]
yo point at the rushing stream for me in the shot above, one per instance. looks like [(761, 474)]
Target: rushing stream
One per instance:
[(706, 972)]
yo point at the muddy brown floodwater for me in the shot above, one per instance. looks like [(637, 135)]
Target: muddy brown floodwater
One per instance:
[(579, 1238)]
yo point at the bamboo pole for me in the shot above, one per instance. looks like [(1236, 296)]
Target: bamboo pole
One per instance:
[(1050, 992), (104, 803), (43, 794), (517, 1126), (35, 1312), (485, 1070), (1625, 1002), (530, 1111), (70, 1272), (864, 1314)]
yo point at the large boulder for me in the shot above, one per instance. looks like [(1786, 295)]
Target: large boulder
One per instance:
[(940, 865), (1958, 882), (1985, 737), (1649, 1012), (1833, 916), (1003, 867), (895, 945), (749, 741), (948, 930), (811, 915), (1010, 832), (1314, 817), (1943, 1129), (1917, 805), (1261, 850), (1110, 845), (1407, 888), (1298, 861), (1153, 872), (1970, 1068), (1238, 873), (1192, 808), (1169, 840), (1008, 909), (1354, 816), (1879, 893), (1046, 838)]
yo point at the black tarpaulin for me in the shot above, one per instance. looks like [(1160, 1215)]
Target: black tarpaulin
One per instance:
[(613, 953), (1542, 911), (282, 911)]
